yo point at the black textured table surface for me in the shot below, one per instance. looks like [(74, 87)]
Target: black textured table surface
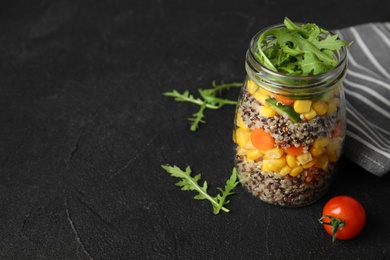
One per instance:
[(84, 130)]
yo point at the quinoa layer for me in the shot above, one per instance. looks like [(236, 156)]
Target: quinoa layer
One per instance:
[(276, 189)]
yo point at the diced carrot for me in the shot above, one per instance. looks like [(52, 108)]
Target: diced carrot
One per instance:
[(285, 100), (261, 139), (294, 150)]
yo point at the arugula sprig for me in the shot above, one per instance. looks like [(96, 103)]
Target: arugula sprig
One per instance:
[(298, 50), (210, 98), (190, 183)]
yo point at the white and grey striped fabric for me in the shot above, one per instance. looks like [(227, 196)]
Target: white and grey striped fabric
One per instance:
[(367, 90)]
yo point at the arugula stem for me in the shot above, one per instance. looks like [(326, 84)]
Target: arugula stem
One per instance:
[(205, 194), (198, 116), (191, 183), (209, 99), (226, 86)]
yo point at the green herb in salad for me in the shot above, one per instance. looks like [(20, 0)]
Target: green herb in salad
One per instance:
[(210, 99), (284, 110), (191, 183), (298, 50)]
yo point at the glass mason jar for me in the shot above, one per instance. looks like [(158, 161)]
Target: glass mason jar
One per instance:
[(289, 131)]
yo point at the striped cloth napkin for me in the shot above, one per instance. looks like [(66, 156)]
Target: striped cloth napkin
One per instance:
[(367, 91)]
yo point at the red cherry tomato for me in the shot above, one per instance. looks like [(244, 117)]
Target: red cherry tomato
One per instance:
[(343, 217)]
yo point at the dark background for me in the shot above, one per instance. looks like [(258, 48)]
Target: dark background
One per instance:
[(84, 128)]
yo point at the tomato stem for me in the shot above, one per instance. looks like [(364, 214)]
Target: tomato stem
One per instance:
[(336, 224)]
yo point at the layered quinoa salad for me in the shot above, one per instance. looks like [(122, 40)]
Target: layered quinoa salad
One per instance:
[(297, 167), (288, 136)]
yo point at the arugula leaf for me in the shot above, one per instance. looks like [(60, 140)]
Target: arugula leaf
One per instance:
[(298, 50), (231, 183), (197, 118), (330, 43), (190, 183), (311, 64), (210, 99), (185, 97)]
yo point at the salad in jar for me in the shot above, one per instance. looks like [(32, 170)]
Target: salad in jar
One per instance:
[(290, 118)]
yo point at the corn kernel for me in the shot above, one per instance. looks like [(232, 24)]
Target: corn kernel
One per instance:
[(319, 143), (302, 106), (267, 111), (264, 167), (304, 158), (274, 153), (332, 108), (254, 154), (322, 162), (273, 168), (285, 170), (291, 161), (317, 152), (334, 147), (269, 166), (329, 152), (321, 107), (261, 98), (333, 157), (242, 137), (249, 145), (295, 171), (239, 121), (310, 115), (265, 92), (279, 162), (251, 86), (241, 151), (310, 164)]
